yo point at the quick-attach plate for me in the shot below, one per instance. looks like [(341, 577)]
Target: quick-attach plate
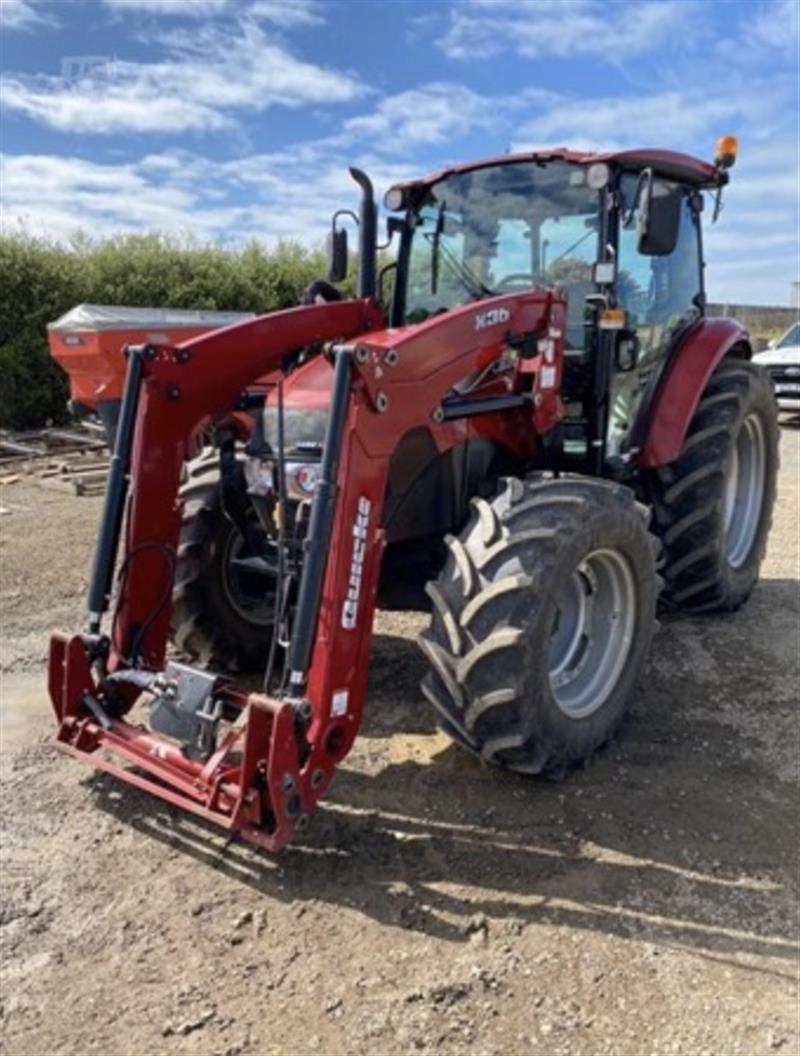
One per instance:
[(185, 708)]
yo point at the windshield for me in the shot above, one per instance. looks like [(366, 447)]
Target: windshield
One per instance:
[(499, 229), (790, 338)]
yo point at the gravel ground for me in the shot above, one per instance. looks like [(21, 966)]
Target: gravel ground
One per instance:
[(647, 904)]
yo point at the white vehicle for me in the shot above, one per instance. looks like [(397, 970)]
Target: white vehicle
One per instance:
[(782, 360)]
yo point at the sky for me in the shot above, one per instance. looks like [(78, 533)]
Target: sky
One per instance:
[(226, 120)]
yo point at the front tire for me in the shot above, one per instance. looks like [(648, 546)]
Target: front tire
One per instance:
[(541, 622), (713, 505), (221, 616)]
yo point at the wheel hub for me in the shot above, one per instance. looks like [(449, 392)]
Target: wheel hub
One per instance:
[(744, 491), (246, 587)]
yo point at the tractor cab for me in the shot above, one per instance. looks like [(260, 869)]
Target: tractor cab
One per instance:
[(619, 233)]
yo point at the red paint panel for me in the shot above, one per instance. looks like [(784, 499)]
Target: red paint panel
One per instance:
[(693, 364)]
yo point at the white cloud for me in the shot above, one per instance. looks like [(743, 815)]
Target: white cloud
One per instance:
[(287, 13), (55, 196), (23, 14), (535, 29), (283, 13), (88, 106), (286, 193), (673, 119), (438, 113), (207, 74), (429, 115), (183, 194), (775, 26), (752, 250), (182, 8)]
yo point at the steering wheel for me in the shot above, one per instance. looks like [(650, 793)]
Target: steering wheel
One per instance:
[(517, 280), (320, 292)]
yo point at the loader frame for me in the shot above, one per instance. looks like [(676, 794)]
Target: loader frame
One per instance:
[(279, 755)]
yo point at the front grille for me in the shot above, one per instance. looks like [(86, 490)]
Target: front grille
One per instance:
[(785, 372)]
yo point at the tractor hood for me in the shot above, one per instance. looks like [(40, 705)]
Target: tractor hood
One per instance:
[(306, 397), (307, 390)]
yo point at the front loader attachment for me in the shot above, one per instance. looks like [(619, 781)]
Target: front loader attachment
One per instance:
[(251, 782), (254, 763), (239, 759)]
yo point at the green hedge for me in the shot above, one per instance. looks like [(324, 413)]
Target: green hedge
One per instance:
[(40, 280)]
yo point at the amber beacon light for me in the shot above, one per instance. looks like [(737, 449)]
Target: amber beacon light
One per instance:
[(725, 151)]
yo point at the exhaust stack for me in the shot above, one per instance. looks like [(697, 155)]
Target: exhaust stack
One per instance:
[(367, 234)]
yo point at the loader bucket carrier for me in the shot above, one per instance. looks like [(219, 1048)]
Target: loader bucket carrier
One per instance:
[(493, 427)]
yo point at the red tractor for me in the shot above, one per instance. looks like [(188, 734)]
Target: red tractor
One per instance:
[(540, 436)]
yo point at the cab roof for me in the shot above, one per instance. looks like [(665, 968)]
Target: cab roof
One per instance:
[(668, 163)]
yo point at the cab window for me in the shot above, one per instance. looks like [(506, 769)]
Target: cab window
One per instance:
[(661, 294), (657, 292)]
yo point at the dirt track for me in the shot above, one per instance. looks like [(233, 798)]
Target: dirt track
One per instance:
[(648, 904)]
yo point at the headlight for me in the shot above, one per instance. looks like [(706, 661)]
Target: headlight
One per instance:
[(394, 199), (306, 478), (302, 478), (597, 175), (259, 476)]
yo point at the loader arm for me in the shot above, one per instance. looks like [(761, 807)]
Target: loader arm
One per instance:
[(272, 759)]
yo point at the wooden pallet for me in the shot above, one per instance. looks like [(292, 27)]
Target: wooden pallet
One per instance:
[(74, 461), (46, 443)]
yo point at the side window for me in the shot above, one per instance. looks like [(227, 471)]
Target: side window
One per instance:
[(658, 293)]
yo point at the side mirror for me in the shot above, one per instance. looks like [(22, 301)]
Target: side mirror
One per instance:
[(659, 218), (773, 343), (337, 254), (626, 353)]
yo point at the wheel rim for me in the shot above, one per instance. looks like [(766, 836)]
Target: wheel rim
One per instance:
[(744, 490), (243, 588), (592, 632)]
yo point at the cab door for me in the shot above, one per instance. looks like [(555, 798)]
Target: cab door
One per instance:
[(661, 294)]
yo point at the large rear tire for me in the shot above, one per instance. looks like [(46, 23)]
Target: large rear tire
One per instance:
[(713, 505), (541, 623), (220, 617)]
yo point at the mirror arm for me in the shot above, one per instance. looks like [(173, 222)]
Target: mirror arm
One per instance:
[(393, 225), (343, 212), (717, 205), (391, 266)]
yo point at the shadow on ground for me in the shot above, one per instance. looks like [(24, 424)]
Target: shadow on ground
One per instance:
[(679, 834)]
